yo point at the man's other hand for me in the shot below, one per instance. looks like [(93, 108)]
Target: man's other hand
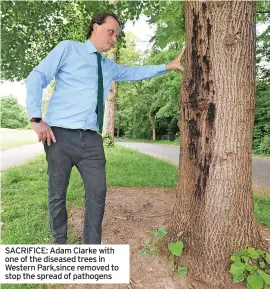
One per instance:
[(44, 132)]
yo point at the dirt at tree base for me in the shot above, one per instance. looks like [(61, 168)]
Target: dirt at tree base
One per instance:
[(130, 213)]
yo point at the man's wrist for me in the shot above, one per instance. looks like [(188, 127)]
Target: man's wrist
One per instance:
[(168, 66), (35, 119)]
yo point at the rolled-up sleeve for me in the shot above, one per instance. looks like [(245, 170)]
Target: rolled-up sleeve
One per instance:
[(41, 76), (133, 73)]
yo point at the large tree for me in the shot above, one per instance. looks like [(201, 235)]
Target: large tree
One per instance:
[(214, 205), (110, 104)]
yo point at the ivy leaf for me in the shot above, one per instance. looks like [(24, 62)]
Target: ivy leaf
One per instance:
[(266, 277), (235, 258), (161, 232), (255, 282), (182, 271), (249, 267), (245, 259), (144, 251), (237, 269), (267, 258), (254, 254), (262, 264), (176, 248)]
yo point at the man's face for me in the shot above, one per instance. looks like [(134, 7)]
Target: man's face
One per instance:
[(107, 33)]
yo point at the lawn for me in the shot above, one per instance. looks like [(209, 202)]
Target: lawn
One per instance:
[(24, 190), (24, 194), (12, 138)]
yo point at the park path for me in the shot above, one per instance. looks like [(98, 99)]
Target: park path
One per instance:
[(260, 166), (20, 155)]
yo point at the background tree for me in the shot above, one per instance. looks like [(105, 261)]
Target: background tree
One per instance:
[(263, 41), (128, 119), (13, 115), (261, 135)]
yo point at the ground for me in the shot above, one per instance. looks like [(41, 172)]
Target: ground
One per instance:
[(130, 213)]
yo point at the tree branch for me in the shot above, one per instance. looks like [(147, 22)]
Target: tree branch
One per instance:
[(263, 12), (136, 87)]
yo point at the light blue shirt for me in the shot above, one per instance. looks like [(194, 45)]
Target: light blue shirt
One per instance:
[(74, 99)]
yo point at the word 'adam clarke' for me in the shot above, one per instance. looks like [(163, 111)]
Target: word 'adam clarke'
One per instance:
[(79, 250)]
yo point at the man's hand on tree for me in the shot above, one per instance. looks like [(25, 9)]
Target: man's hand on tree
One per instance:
[(176, 63)]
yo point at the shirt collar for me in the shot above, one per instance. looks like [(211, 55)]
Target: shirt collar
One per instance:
[(90, 46)]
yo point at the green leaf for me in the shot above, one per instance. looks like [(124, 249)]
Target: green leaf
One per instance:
[(245, 259), (249, 267), (235, 258), (267, 258), (237, 269), (182, 271), (265, 277), (161, 232), (144, 251), (255, 282), (147, 12), (262, 264), (176, 248), (243, 252), (254, 254), (180, 234)]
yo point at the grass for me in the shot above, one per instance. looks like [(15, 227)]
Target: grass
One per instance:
[(24, 190), (129, 168), (12, 138), (262, 209), (24, 195)]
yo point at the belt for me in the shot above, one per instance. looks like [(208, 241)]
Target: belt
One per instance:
[(75, 129)]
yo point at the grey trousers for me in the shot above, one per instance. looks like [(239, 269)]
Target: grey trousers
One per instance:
[(83, 149)]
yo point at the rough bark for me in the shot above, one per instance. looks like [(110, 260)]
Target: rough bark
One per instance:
[(109, 111), (214, 204), (154, 133)]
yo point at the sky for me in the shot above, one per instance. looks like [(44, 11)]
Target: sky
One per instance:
[(143, 32)]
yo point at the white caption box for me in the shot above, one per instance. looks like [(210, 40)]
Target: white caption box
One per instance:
[(64, 264)]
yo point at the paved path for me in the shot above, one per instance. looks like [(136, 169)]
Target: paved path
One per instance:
[(20, 155), (260, 166)]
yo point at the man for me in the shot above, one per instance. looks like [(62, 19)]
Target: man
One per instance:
[(74, 115)]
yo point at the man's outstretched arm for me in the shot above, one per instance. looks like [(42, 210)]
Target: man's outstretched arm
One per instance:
[(126, 73)]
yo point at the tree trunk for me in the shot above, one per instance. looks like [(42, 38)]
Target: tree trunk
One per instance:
[(154, 133), (153, 124), (214, 204), (109, 112)]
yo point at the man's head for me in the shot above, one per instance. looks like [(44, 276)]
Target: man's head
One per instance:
[(103, 31)]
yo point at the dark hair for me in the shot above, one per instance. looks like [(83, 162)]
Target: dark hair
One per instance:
[(100, 19)]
